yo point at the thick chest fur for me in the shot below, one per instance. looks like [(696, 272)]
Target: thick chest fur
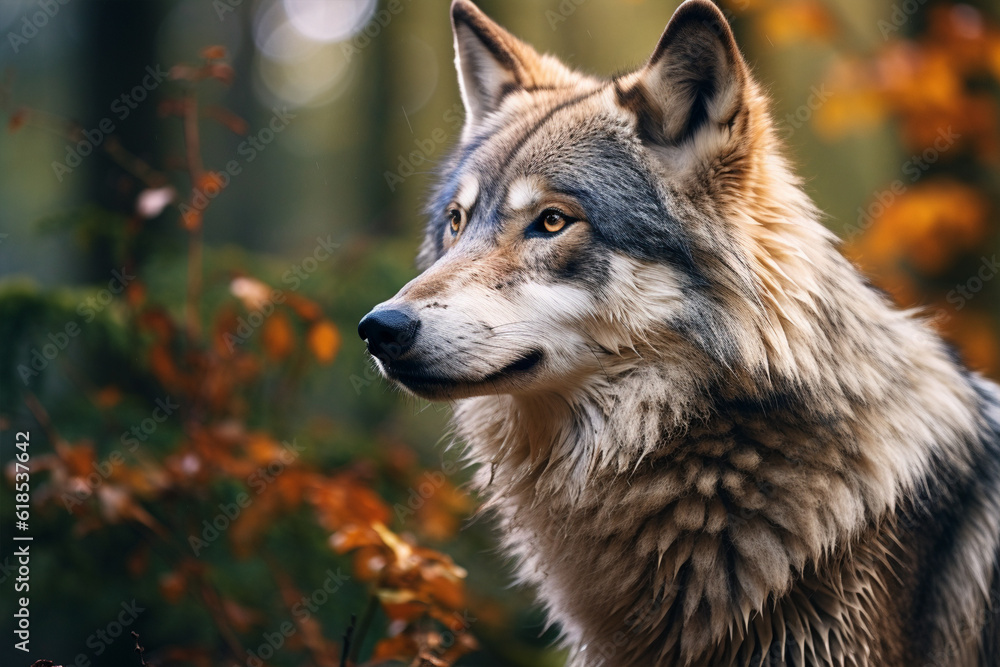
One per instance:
[(663, 565), (648, 591), (746, 539)]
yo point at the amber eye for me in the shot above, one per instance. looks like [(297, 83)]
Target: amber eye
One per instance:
[(455, 218), (553, 221)]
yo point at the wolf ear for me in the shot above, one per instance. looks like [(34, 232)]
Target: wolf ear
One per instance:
[(696, 76), (490, 61)]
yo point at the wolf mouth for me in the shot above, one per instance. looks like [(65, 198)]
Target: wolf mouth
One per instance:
[(417, 380)]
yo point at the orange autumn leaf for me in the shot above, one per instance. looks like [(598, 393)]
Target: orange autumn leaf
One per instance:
[(418, 576), (399, 606), (210, 183), (440, 516), (463, 643), (976, 337), (191, 219), (241, 618), (306, 309), (278, 336), (290, 484), (224, 339), (742, 5), (137, 561), (183, 72), (227, 118), (399, 459), (157, 322), (262, 449), (214, 52), (135, 294), (436, 523), (369, 561), (117, 504), (162, 364), (343, 501), (108, 397), (354, 536), (444, 592), (993, 58), (252, 521), (144, 481), (849, 111), (172, 586), (79, 459), (926, 226), (796, 21), (224, 72), (17, 120), (400, 647), (324, 341)]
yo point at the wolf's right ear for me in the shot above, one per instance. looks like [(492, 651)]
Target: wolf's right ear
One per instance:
[(491, 62), (695, 76)]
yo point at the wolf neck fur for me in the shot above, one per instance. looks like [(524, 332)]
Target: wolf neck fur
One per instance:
[(763, 470)]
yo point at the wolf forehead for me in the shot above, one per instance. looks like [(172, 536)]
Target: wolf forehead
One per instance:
[(576, 145)]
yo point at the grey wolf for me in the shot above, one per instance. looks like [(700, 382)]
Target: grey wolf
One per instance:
[(707, 440)]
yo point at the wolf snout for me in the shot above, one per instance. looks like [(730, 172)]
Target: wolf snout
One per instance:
[(389, 332)]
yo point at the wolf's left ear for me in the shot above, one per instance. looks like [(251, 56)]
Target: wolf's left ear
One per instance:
[(491, 62), (696, 76)]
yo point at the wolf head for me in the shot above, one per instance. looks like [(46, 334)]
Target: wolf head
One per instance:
[(582, 223)]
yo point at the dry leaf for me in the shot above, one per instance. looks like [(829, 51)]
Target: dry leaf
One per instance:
[(214, 52), (278, 336), (324, 341)]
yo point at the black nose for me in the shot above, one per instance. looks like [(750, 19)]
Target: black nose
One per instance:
[(389, 332)]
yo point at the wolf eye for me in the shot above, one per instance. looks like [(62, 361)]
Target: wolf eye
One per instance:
[(456, 219), (553, 221)]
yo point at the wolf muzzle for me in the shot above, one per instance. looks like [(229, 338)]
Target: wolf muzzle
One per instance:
[(388, 332)]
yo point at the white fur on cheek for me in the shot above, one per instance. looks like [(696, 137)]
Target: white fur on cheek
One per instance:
[(560, 304)]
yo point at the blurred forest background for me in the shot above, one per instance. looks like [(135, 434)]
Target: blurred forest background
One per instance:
[(201, 198)]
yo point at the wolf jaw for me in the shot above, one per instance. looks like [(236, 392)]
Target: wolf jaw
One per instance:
[(707, 441)]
